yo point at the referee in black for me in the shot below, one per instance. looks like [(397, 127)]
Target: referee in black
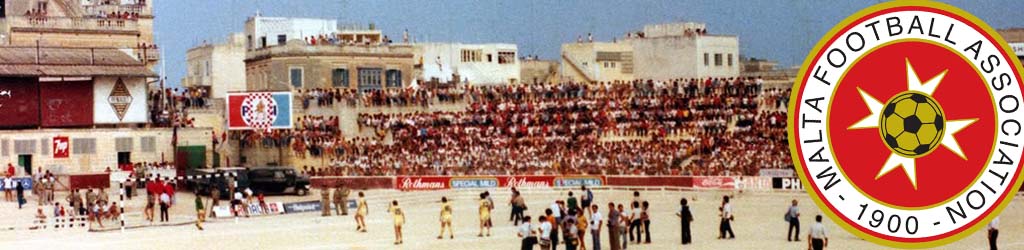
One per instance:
[(817, 240), (993, 233)]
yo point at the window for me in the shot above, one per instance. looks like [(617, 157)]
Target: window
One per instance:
[(83, 146), (148, 144), (295, 74), (394, 78), (730, 60), (208, 68), (718, 59), (506, 57), (706, 59), (612, 64), (369, 78), (469, 55), (3, 148), (248, 41), (263, 42), (282, 39), (489, 58), (339, 78), (24, 147), (123, 144), (44, 146)]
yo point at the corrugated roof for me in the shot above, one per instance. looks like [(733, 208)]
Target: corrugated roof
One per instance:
[(74, 70), (31, 61)]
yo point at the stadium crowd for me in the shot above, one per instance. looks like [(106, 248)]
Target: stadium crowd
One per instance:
[(321, 97), (682, 127), (169, 107)]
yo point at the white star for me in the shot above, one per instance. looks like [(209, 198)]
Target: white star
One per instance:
[(898, 161), (914, 83), (952, 127), (870, 121), (895, 161)]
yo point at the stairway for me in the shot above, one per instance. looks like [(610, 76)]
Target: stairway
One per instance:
[(576, 66)]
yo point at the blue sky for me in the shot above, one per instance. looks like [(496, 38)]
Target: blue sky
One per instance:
[(782, 30)]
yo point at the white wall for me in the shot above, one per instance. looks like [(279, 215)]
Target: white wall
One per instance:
[(724, 45), (669, 57), (228, 63), (450, 57), (583, 56), (293, 28), (105, 154), (104, 112)]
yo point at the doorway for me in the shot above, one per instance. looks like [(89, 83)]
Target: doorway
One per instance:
[(26, 162), (124, 158)]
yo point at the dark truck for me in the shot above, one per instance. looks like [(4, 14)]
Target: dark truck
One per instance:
[(266, 180)]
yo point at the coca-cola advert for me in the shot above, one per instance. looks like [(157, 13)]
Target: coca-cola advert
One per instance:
[(716, 182)]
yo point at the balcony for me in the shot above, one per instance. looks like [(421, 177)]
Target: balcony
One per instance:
[(296, 48), (101, 10), (147, 54), (72, 25)]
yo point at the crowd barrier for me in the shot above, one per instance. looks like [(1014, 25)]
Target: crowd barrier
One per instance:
[(368, 182), (87, 181), (415, 183), (667, 181)]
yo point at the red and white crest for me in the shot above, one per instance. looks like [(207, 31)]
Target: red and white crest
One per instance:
[(905, 124)]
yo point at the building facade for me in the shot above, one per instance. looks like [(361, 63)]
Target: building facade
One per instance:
[(597, 62), (78, 23), (534, 71), (477, 64), (298, 66), (219, 67), (262, 32), (303, 53), (73, 110), (658, 52), (75, 80)]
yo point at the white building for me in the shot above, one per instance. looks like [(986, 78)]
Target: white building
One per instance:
[(658, 52), (261, 32), (493, 63), (220, 68), (684, 50)]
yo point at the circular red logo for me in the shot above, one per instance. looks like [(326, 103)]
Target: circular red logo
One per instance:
[(905, 124)]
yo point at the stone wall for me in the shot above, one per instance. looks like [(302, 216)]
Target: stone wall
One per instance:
[(39, 144)]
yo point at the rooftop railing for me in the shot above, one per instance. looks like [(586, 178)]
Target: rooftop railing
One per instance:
[(73, 23)]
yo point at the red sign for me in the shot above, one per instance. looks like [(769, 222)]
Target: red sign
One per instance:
[(714, 182), (66, 104), (61, 147), (445, 182), (84, 181), (527, 181), (649, 181), (422, 182), (19, 102), (353, 182), (259, 110)]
